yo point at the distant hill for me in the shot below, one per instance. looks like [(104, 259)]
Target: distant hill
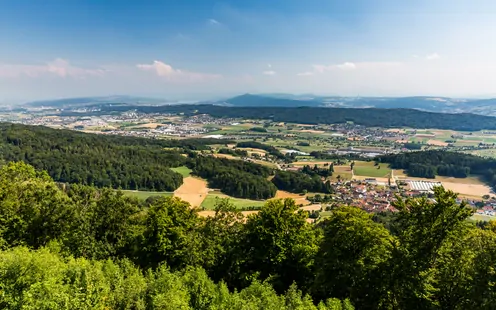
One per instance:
[(249, 100), (371, 117), (424, 103), (91, 101)]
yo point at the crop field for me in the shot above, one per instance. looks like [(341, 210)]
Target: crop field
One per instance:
[(213, 197), (183, 170), (481, 217), (344, 173), (193, 190), (369, 170), (144, 194)]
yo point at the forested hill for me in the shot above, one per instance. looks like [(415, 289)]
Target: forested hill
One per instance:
[(129, 162), (428, 164), (100, 160), (89, 248), (315, 115)]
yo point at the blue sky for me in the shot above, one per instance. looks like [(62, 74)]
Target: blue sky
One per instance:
[(195, 49)]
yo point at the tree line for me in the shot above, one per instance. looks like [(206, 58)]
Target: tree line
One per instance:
[(236, 178), (428, 164), (89, 248), (300, 182), (257, 145), (101, 160), (370, 117)]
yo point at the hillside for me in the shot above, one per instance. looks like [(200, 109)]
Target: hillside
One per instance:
[(248, 100), (370, 117), (88, 248)]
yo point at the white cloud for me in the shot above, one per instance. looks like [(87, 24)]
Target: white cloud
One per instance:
[(58, 67), (346, 66), (167, 71), (212, 21), (415, 56), (433, 56), (269, 65), (269, 72), (308, 73), (349, 66)]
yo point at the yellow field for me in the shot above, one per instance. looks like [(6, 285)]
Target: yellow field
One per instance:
[(193, 190), (437, 143)]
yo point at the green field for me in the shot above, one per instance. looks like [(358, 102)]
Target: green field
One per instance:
[(183, 170), (367, 169), (212, 198), (144, 195), (481, 217)]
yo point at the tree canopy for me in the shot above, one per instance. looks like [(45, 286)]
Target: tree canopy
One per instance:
[(90, 248)]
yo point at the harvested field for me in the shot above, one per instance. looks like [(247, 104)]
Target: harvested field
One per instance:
[(315, 207), (437, 143), (209, 213), (297, 198), (478, 190), (193, 191), (149, 125), (253, 150), (312, 131), (318, 163), (226, 156)]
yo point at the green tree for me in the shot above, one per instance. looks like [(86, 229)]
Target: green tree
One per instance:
[(351, 256), (423, 227), (171, 234), (33, 209), (278, 244)]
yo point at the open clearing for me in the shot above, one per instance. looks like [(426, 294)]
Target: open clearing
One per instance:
[(482, 217), (368, 169), (297, 197), (144, 194), (193, 191), (437, 143), (212, 198), (183, 170), (148, 125), (468, 189)]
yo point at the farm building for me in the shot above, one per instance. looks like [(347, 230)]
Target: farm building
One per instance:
[(423, 186)]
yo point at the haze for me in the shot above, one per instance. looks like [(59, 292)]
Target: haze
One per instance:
[(201, 48)]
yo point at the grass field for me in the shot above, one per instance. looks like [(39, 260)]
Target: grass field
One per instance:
[(369, 170), (144, 195), (213, 197), (183, 170), (480, 217)]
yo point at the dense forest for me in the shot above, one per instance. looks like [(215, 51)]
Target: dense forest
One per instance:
[(89, 248), (236, 178), (300, 182), (428, 164), (100, 160), (371, 117)]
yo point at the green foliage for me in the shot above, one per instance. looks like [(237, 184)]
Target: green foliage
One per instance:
[(351, 258), (257, 145), (87, 248), (235, 177), (298, 182), (430, 163), (45, 280), (100, 160), (278, 244)]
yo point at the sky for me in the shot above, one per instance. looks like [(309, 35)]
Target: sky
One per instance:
[(200, 49)]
